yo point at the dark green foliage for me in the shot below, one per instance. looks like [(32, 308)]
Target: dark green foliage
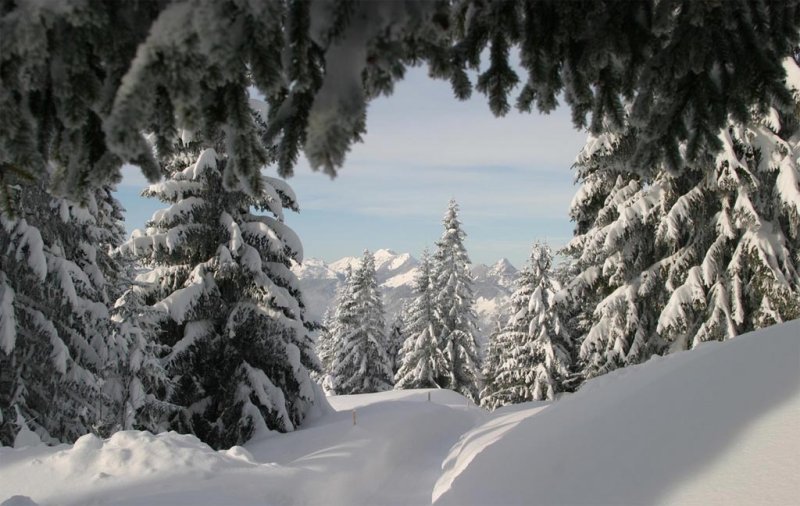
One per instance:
[(81, 81), (55, 280)]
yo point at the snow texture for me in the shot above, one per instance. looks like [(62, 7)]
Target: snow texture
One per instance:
[(690, 428)]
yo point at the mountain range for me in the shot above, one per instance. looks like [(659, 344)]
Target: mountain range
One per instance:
[(395, 273)]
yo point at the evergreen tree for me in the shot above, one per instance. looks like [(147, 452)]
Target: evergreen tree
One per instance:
[(529, 356), (54, 317), (395, 341), (360, 363), (130, 68), (645, 233), (327, 343), (422, 359), (234, 319), (497, 351), (455, 319), (134, 377), (325, 346)]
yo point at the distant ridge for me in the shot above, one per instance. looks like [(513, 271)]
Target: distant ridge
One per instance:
[(396, 272)]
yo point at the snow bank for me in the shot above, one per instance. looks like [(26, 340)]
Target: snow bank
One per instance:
[(716, 425), (127, 468), (392, 455)]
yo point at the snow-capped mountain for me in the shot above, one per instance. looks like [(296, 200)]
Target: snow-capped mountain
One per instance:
[(395, 273), (493, 288)]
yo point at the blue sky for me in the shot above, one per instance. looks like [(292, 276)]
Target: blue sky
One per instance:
[(511, 177)]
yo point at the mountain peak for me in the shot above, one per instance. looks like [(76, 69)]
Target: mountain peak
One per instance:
[(503, 266), (395, 273)]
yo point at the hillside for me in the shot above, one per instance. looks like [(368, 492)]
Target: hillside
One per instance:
[(717, 425)]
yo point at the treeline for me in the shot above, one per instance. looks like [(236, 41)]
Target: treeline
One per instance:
[(195, 323), (661, 261), (433, 345)]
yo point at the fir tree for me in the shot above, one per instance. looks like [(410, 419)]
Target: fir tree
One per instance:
[(455, 328), (360, 363), (422, 359), (325, 347), (395, 341), (496, 355), (529, 356), (327, 343), (54, 317), (234, 318), (134, 377), (131, 68), (645, 233)]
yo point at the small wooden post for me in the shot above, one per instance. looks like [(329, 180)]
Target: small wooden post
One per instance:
[(354, 417), (429, 397)]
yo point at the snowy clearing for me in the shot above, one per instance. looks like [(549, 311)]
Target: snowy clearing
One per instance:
[(715, 425)]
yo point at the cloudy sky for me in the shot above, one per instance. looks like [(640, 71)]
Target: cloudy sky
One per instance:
[(511, 177)]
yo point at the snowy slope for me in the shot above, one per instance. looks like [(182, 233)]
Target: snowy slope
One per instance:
[(395, 273), (392, 456), (717, 425)]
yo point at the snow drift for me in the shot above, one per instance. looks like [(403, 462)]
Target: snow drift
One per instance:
[(715, 425)]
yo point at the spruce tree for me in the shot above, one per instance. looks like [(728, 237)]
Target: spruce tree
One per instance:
[(233, 316), (422, 358), (325, 347), (360, 363), (719, 236), (327, 342), (496, 355), (395, 341), (529, 356), (456, 327), (54, 316), (134, 377), (127, 67)]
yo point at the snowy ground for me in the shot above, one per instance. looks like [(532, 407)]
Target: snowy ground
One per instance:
[(720, 424)]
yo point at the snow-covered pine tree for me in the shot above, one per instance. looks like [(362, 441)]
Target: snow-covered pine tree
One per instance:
[(395, 340), (343, 317), (455, 318), (327, 343), (604, 296), (360, 363), (319, 63), (234, 318), (134, 377), (325, 346), (54, 317), (422, 358), (745, 272), (529, 356), (721, 237), (495, 356)]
